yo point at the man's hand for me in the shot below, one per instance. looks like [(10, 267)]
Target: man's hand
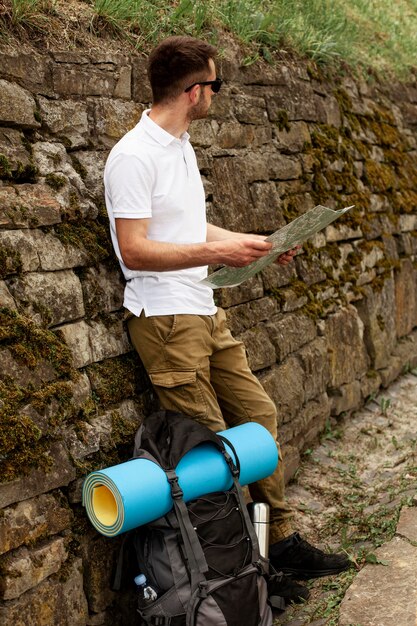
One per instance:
[(242, 251), (248, 249), (287, 257)]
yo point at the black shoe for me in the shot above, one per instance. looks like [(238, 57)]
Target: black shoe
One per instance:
[(297, 557), (283, 587)]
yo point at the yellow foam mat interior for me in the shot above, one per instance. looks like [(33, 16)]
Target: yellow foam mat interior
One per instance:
[(104, 505)]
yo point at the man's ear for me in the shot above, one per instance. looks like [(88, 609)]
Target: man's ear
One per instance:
[(194, 94)]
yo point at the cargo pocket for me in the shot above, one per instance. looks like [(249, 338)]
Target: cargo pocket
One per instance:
[(180, 390)]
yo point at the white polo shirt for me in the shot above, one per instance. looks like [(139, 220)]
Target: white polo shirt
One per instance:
[(151, 174)]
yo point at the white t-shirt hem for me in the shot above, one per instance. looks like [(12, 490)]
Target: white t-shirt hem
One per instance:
[(149, 312)]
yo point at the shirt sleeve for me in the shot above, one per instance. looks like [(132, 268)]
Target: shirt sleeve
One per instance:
[(129, 186)]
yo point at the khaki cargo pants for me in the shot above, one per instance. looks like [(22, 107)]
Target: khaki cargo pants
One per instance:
[(199, 369)]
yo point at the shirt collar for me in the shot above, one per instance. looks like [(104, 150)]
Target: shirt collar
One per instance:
[(159, 134)]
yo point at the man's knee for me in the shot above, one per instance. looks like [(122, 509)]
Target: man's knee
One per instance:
[(267, 416)]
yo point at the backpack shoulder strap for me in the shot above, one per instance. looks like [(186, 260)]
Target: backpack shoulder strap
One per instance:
[(248, 521), (138, 451), (168, 436), (192, 546), (235, 470)]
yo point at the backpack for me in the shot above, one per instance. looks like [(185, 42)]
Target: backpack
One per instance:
[(202, 557)]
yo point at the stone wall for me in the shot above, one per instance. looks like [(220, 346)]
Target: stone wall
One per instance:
[(322, 334)]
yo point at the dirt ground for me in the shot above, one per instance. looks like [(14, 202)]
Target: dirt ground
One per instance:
[(350, 489)]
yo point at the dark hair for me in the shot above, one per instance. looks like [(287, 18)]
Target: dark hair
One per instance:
[(177, 62)]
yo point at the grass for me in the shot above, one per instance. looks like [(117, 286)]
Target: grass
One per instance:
[(31, 15), (370, 35), (388, 32)]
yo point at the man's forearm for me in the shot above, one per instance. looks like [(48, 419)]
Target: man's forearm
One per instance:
[(143, 254), (160, 256)]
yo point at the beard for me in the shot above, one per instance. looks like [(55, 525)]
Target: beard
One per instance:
[(199, 110)]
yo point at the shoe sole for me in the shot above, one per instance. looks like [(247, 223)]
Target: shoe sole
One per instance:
[(306, 574)]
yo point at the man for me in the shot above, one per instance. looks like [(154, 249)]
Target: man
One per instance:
[(156, 205)]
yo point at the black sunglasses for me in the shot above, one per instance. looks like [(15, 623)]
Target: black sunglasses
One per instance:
[(214, 84)]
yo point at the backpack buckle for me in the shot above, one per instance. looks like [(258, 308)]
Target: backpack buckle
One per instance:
[(234, 470), (202, 589), (176, 491)]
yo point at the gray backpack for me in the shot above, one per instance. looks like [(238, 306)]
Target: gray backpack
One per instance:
[(202, 558)]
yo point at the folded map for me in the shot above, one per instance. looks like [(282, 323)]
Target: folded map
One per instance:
[(286, 238)]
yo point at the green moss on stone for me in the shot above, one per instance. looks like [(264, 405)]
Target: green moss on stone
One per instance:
[(394, 157), (74, 201), (123, 430), (30, 174), (79, 168), (5, 169), (89, 235), (320, 186), (379, 281), (368, 246), (59, 391), (406, 170), (32, 455), (276, 294), (404, 201), (346, 108), (10, 393), (18, 173), (329, 146), (381, 322), (21, 445), (31, 343), (298, 287), (55, 181), (27, 144), (379, 176), (332, 251), (289, 209), (115, 379), (282, 121), (382, 114), (44, 312), (325, 137), (315, 308), (343, 99), (343, 181), (395, 177), (17, 431), (361, 201), (10, 261), (315, 72), (386, 134)]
